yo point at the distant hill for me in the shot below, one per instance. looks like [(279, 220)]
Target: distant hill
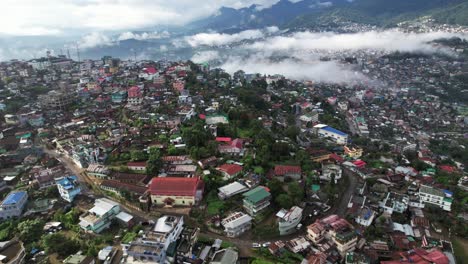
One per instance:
[(255, 17), (387, 13)]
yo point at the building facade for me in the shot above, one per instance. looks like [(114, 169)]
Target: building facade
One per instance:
[(13, 205)]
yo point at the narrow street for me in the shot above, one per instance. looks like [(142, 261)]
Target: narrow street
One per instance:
[(244, 243)]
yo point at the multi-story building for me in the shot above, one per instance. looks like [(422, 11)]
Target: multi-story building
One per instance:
[(329, 132), (68, 187), (152, 247), (56, 99), (336, 230), (365, 216), (437, 197), (256, 200), (395, 202), (236, 224), (119, 96), (100, 216), (135, 96), (12, 206), (289, 219)]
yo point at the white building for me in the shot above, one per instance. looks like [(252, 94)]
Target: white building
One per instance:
[(395, 202), (68, 187), (236, 224), (100, 216), (365, 217), (331, 171), (12, 206), (289, 219), (231, 189), (437, 197), (152, 247), (329, 132)]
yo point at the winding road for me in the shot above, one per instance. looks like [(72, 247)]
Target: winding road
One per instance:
[(244, 243)]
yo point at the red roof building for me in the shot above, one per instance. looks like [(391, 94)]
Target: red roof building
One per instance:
[(282, 171), (420, 256), (230, 170), (176, 191)]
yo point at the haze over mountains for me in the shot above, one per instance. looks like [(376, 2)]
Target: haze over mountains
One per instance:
[(244, 24)]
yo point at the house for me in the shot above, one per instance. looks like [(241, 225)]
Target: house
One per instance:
[(185, 170), (236, 224), (337, 136), (352, 152), (216, 119), (176, 191), (234, 147), (100, 216), (256, 200), (119, 96), (331, 171), (68, 187), (12, 206), (365, 216), (289, 219), (208, 162), (229, 171), (419, 255), (437, 197), (98, 171), (12, 252), (177, 160), (137, 165), (395, 202), (231, 189), (335, 230), (135, 95), (155, 243), (79, 258), (121, 188), (285, 171), (225, 256), (298, 244)]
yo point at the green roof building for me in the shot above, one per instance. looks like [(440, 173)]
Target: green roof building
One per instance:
[(256, 200)]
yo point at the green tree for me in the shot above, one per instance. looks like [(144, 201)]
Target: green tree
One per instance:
[(154, 163), (137, 155), (30, 230), (296, 192), (59, 243), (284, 201)]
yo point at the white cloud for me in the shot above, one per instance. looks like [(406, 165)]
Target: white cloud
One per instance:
[(52, 17), (143, 36), (317, 71), (95, 39), (217, 39), (390, 40), (205, 56)]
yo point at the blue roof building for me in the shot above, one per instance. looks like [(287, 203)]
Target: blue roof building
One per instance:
[(334, 134), (68, 187), (12, 206)]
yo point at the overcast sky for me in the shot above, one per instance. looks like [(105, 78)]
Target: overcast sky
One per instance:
[(59, 17)]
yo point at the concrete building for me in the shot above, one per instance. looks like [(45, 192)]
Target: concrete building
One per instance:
[(329, 132), (256, 200), (13, 205), (437, 197), (289, 219), (231, 189), (153, 246), (176, 191), (395, 202), (100, 216), (236, 224), (68, 187)]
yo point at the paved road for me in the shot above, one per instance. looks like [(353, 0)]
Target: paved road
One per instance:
[(244, 243)]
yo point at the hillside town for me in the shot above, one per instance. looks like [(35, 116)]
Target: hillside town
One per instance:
[(124, 161)]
